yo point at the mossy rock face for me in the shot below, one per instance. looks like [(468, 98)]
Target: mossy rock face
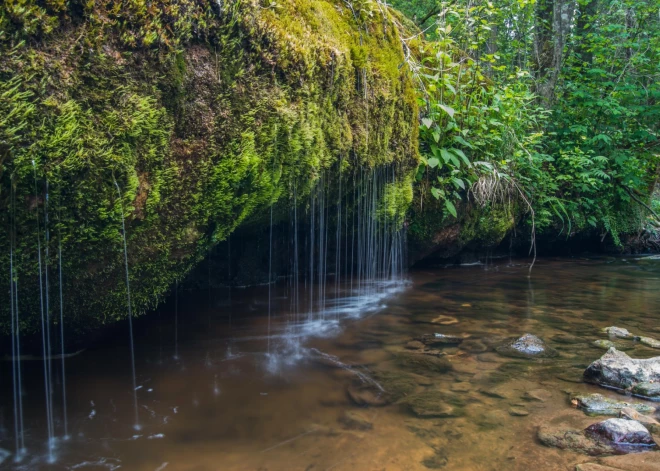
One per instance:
[(203, 114)]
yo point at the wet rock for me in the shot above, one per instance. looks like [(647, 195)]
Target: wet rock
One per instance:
[(649, 342), (434, 404), (617, 370), (445, 320), (527, 346), (367, 395), (617, 332), (415, 345), (647, 421), (573, 440), (352, 420), (439, 340), (597, 404), (421, 363), (539, 395), (518, 412), (621, 432), (647, 390)]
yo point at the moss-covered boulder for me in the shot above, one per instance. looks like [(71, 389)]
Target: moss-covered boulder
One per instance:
[(187, 117)]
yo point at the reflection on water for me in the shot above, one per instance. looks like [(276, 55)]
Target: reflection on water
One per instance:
[(228, 404)]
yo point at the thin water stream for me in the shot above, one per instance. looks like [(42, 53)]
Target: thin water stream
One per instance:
[(227, 404)]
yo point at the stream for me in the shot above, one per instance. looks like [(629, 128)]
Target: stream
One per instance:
[(227, 381)]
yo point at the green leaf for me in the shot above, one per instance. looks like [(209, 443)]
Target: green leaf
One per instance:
[(436, 192), (450, 207), (446, 156), (448, 109), (459, 183), (433, 162), (427, 122)]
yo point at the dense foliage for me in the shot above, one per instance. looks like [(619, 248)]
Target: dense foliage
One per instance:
[(549, 106)]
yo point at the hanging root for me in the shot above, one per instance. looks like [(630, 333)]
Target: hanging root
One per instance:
[(500, 188)]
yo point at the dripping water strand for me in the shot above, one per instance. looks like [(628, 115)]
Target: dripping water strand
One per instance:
[(136, 426), (64, 409), (49, 417)]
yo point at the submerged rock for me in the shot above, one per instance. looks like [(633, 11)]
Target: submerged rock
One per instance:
[(597, 404), (573, 440), (611, 436), (352, 420), (650, 342), (621, 432), (368, 395), (607, 344), (617, 370), (649, 422), (415, 345), (422, 363), (445, 320), (527, 346), (538, 395), (518, 412), (430, 404), (617, 332), (649, 461), (439, 340), (647, 390), (396, 384)]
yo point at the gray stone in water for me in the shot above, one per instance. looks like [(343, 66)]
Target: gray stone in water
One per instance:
[(527, 346), (621, 432), (649, 342), (597, 404), (617, 332), (647, 390), (617, 370)]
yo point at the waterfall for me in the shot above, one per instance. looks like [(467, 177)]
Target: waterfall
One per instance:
[(364, 255)]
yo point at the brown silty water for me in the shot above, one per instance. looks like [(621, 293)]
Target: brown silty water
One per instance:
[(226, 404)]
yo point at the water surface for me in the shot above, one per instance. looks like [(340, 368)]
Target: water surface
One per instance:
[(231, 399)]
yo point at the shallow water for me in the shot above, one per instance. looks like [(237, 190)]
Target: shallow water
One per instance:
[(226, 404)]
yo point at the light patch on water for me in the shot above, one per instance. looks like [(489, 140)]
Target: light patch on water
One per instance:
[(109, 463)]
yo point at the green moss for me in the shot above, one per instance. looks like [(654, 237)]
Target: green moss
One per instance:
[(203, 114)]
